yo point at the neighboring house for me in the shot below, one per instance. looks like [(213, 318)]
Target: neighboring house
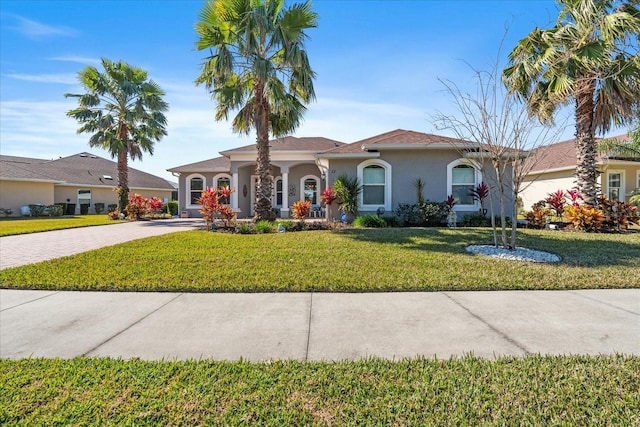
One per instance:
[(81, 178), (387, 166), (555, 166)]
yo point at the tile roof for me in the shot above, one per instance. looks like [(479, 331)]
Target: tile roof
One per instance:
[(79, 169), (292, 143), (217, 164), (399, 137)]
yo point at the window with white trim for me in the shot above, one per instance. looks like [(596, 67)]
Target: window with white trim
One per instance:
[(614, 185), (310, 185), (277, 199), (220, 181), (463, 176), (195, 187), (375, 177), (84, 197)]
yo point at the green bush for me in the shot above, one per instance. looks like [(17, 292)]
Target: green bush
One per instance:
[(391, 221), (265, 227), (432, 213), (289, 225), (369, 221), (245, 228), (37, 210), (54, 210), (479, 220), (84, 208), (99, 207), (408, 214), (112, 207), (172, 208)]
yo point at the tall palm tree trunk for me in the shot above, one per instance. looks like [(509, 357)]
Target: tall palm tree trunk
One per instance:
[(123, 180), (586, 171), (265, 182)]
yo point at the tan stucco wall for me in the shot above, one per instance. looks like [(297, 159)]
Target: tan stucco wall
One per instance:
[(15, 194)]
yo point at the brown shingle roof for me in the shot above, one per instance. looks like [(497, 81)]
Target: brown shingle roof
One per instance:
[(399, 137), (292, 143), (217, 164), (80, 169)]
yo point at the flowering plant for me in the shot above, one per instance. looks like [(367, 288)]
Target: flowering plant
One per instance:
[(450, 202), (557, 201)]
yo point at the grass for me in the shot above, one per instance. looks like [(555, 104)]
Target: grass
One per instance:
[(534, 390), (350, 260), (12, 226)]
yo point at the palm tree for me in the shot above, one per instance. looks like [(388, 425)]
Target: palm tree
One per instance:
[(123, 111), (589, 57), (257, 67)]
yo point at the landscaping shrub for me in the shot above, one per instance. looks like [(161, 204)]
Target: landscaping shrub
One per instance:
[(99, 207), (432, 214), (265, 227), (54, 210), (112, 207), (557, 202), (212, 207), (245, 228), (618, 213), (114, 214), (585, 218), (136, 208), (370, 221), (84, 208), (301, 209), (6, 211), (37, 210), (538, 215), (288, 225), (478, 220), (391, 221), (172, 208), (408, 214), (347, 191)]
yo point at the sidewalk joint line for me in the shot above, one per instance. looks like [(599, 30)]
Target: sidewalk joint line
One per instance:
[(86, 353), (306, 354), (30, 301), (602, 302), (490, 326)]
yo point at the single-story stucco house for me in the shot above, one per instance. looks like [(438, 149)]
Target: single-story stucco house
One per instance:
[(386, 165), (83, 178), (555, 166)]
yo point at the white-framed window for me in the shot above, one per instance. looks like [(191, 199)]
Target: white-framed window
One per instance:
[(375, 177), (84, 197), (222, 180), (309, 189), (463, 175), (195, 187), (615, 185), (638, 180), (277, 192)]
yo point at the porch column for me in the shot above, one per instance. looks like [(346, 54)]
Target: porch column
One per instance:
[(284, 212), (234, 195)]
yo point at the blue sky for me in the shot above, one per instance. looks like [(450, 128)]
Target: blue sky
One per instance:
[(377, 64)]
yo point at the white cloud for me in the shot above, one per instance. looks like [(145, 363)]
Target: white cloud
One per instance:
[(62, 78), (37, 30), (77, 59)]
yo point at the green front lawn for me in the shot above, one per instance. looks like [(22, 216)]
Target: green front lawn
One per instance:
[(358, 260), (11, 226), (533, 390)]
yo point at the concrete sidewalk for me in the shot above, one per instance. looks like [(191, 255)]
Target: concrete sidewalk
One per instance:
[(31, 248), (317, 326)]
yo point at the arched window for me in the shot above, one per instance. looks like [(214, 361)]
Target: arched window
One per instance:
[(222, 180), (375, 177), (310, 186), (195, 187), (463, 176)]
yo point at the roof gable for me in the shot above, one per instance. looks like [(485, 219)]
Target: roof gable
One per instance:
[(217, 164), (291, 143)]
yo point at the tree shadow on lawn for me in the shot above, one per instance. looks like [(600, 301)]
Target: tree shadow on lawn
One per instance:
[(576, 250)]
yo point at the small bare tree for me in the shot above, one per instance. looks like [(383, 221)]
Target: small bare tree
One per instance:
[(508, 138)]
